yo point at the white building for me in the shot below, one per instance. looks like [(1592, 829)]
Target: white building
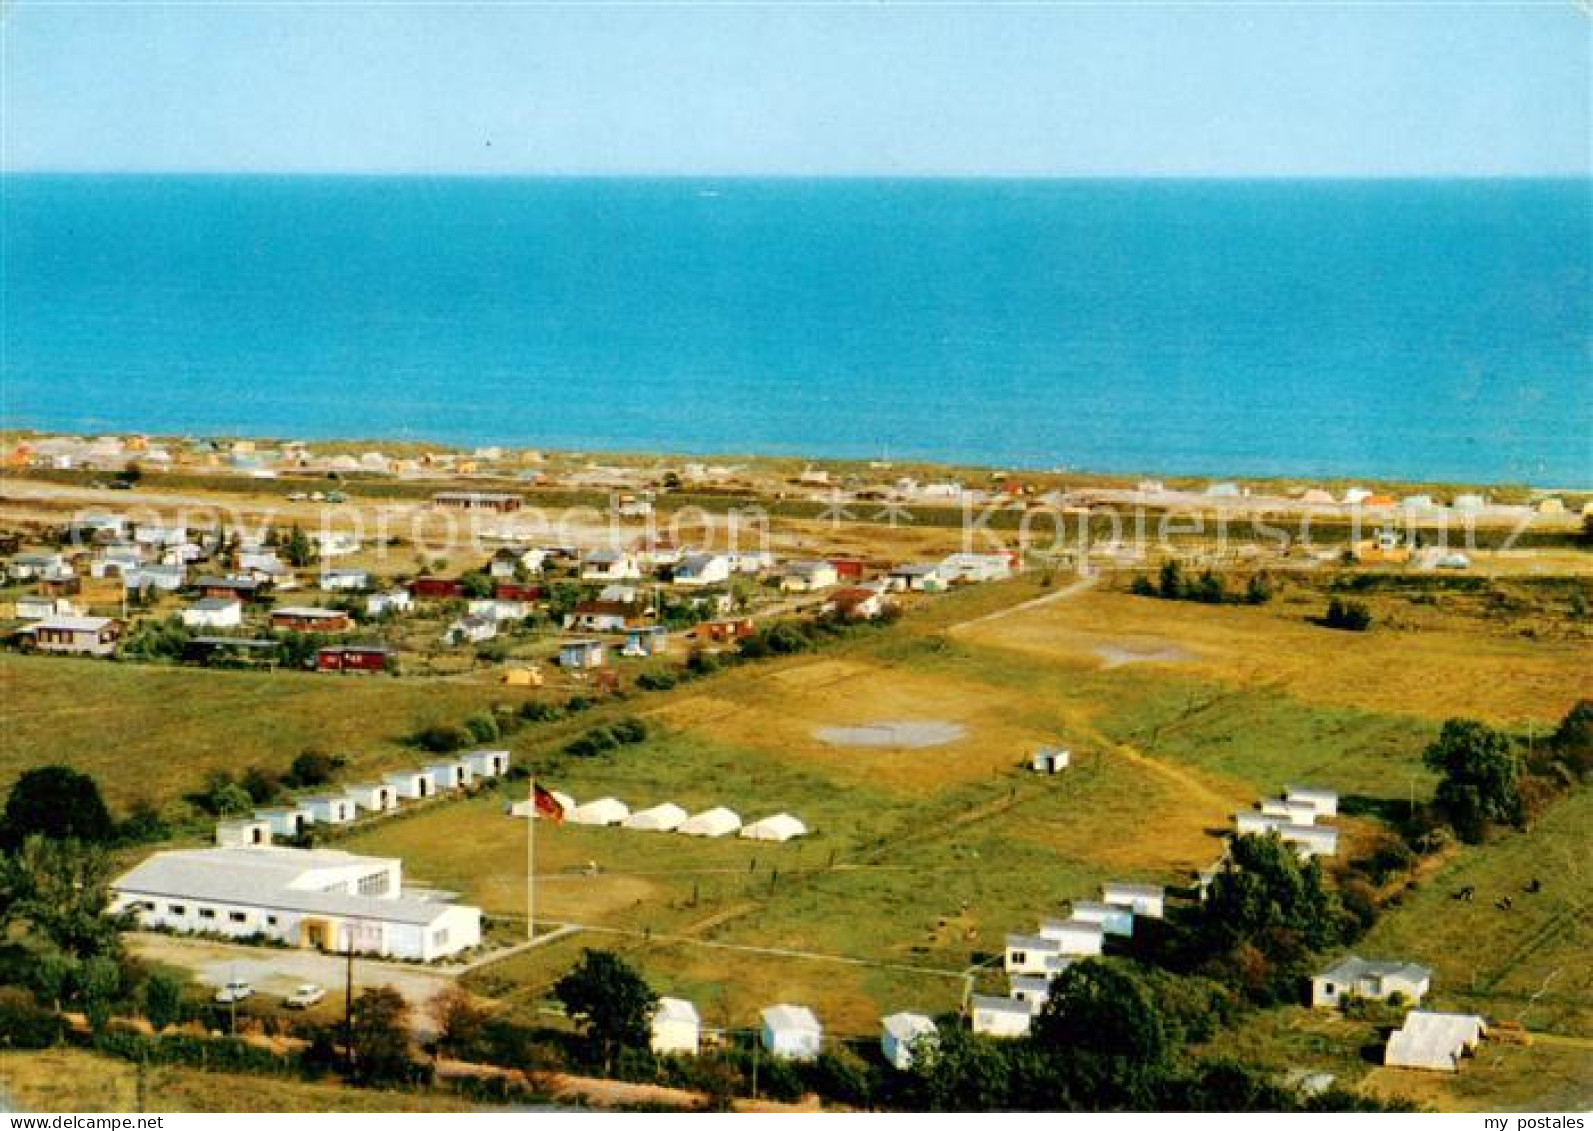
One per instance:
[(975, 567), (286, 820), (487, 763), (1434, 1041), (1032, 954), (412, 785), (373, 797), (1324, 801), (1149, 900), (1371, 980), (665, 818), (609, 565), (1074, 936), (780, 827), (1031, 989), (392, 601), (791, 1032), (1114, 920), (1000, 1016), (676, 1027), (446, 776), (905, 1034), (214, 612), (702, 569), (329, 809), (344, 580), (237, 834), (330, 900), (717, 821), (805, 577), (1050, 760)]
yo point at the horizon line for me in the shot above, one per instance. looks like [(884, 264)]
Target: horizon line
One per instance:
[(640, 175)]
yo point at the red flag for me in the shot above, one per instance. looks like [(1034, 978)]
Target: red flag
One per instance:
[(546, 804)]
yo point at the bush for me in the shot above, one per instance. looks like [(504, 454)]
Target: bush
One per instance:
[(24, 1023), (1347, 616), (656, 681), (536, 711), (483, 728), (442, 738), (312, 768)]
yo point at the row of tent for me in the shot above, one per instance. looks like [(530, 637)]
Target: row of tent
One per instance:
[(671, 818)]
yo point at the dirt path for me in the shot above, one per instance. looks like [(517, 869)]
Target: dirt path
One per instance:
[(1083, 585)]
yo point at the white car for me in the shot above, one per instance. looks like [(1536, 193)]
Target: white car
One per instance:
[(305, 996), (234, 992)]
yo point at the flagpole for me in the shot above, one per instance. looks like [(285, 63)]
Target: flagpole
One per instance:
[(531, 863)]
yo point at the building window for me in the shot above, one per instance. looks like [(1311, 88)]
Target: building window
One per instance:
[(238, 916), (1019, 958), (376, 884), (440, 938), (271, 920), (207, 912), (176, 909)]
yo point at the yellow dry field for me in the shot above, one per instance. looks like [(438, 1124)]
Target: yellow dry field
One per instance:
[(1432, 672), (777, 712)]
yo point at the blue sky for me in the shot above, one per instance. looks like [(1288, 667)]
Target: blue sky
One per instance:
[(801, 89)]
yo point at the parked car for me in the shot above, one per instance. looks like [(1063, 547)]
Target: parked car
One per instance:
[(305, 996), (234, 992)]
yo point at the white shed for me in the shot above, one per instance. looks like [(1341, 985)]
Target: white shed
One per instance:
[(412, 785), (905, 1034), (676, 1026), (330, 809), (1434, 1041), (1149, 900), (446, 776), (665, 818), (231, 834), (792, 1032), (284, 821), (1311, 840), (718, 821), (374, 797), (1324, 801), (603, 811), (488, 763), (1031, 954), (1000, 1016), (781, 826), (1074, 936), (1031, 989), (1050, 760), (1114, 920)]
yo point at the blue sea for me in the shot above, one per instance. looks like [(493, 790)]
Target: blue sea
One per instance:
[(1420, 330)]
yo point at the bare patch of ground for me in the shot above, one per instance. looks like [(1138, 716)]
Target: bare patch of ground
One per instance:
[(908, 734)]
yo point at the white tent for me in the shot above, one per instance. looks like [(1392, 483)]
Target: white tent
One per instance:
[(603, 811), (1434, 1041), (781, 826), (663, 818), (718, 821)]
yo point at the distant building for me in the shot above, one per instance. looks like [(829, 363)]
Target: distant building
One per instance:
[(1372, 980), (905, 1034), (676, 1027), (81, 636), (792, 1032), (498, 502), (1000, 1016), (1434, 1041)]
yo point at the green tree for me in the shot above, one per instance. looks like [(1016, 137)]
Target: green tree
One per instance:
[(1104, 1026), (477, 585), (1171, 582), (55, 802), (99, 984), (1481, 771), (1573, 738), (61, 890), (163, 999), (298, 548), (383, 1053), (613, 1003)]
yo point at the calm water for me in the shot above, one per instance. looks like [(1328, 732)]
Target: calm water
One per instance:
[(1422, 330)]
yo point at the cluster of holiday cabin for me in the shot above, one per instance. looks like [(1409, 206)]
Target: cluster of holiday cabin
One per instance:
[(1295, 818), (1032, 962), (367, 799), (790, 1032)]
